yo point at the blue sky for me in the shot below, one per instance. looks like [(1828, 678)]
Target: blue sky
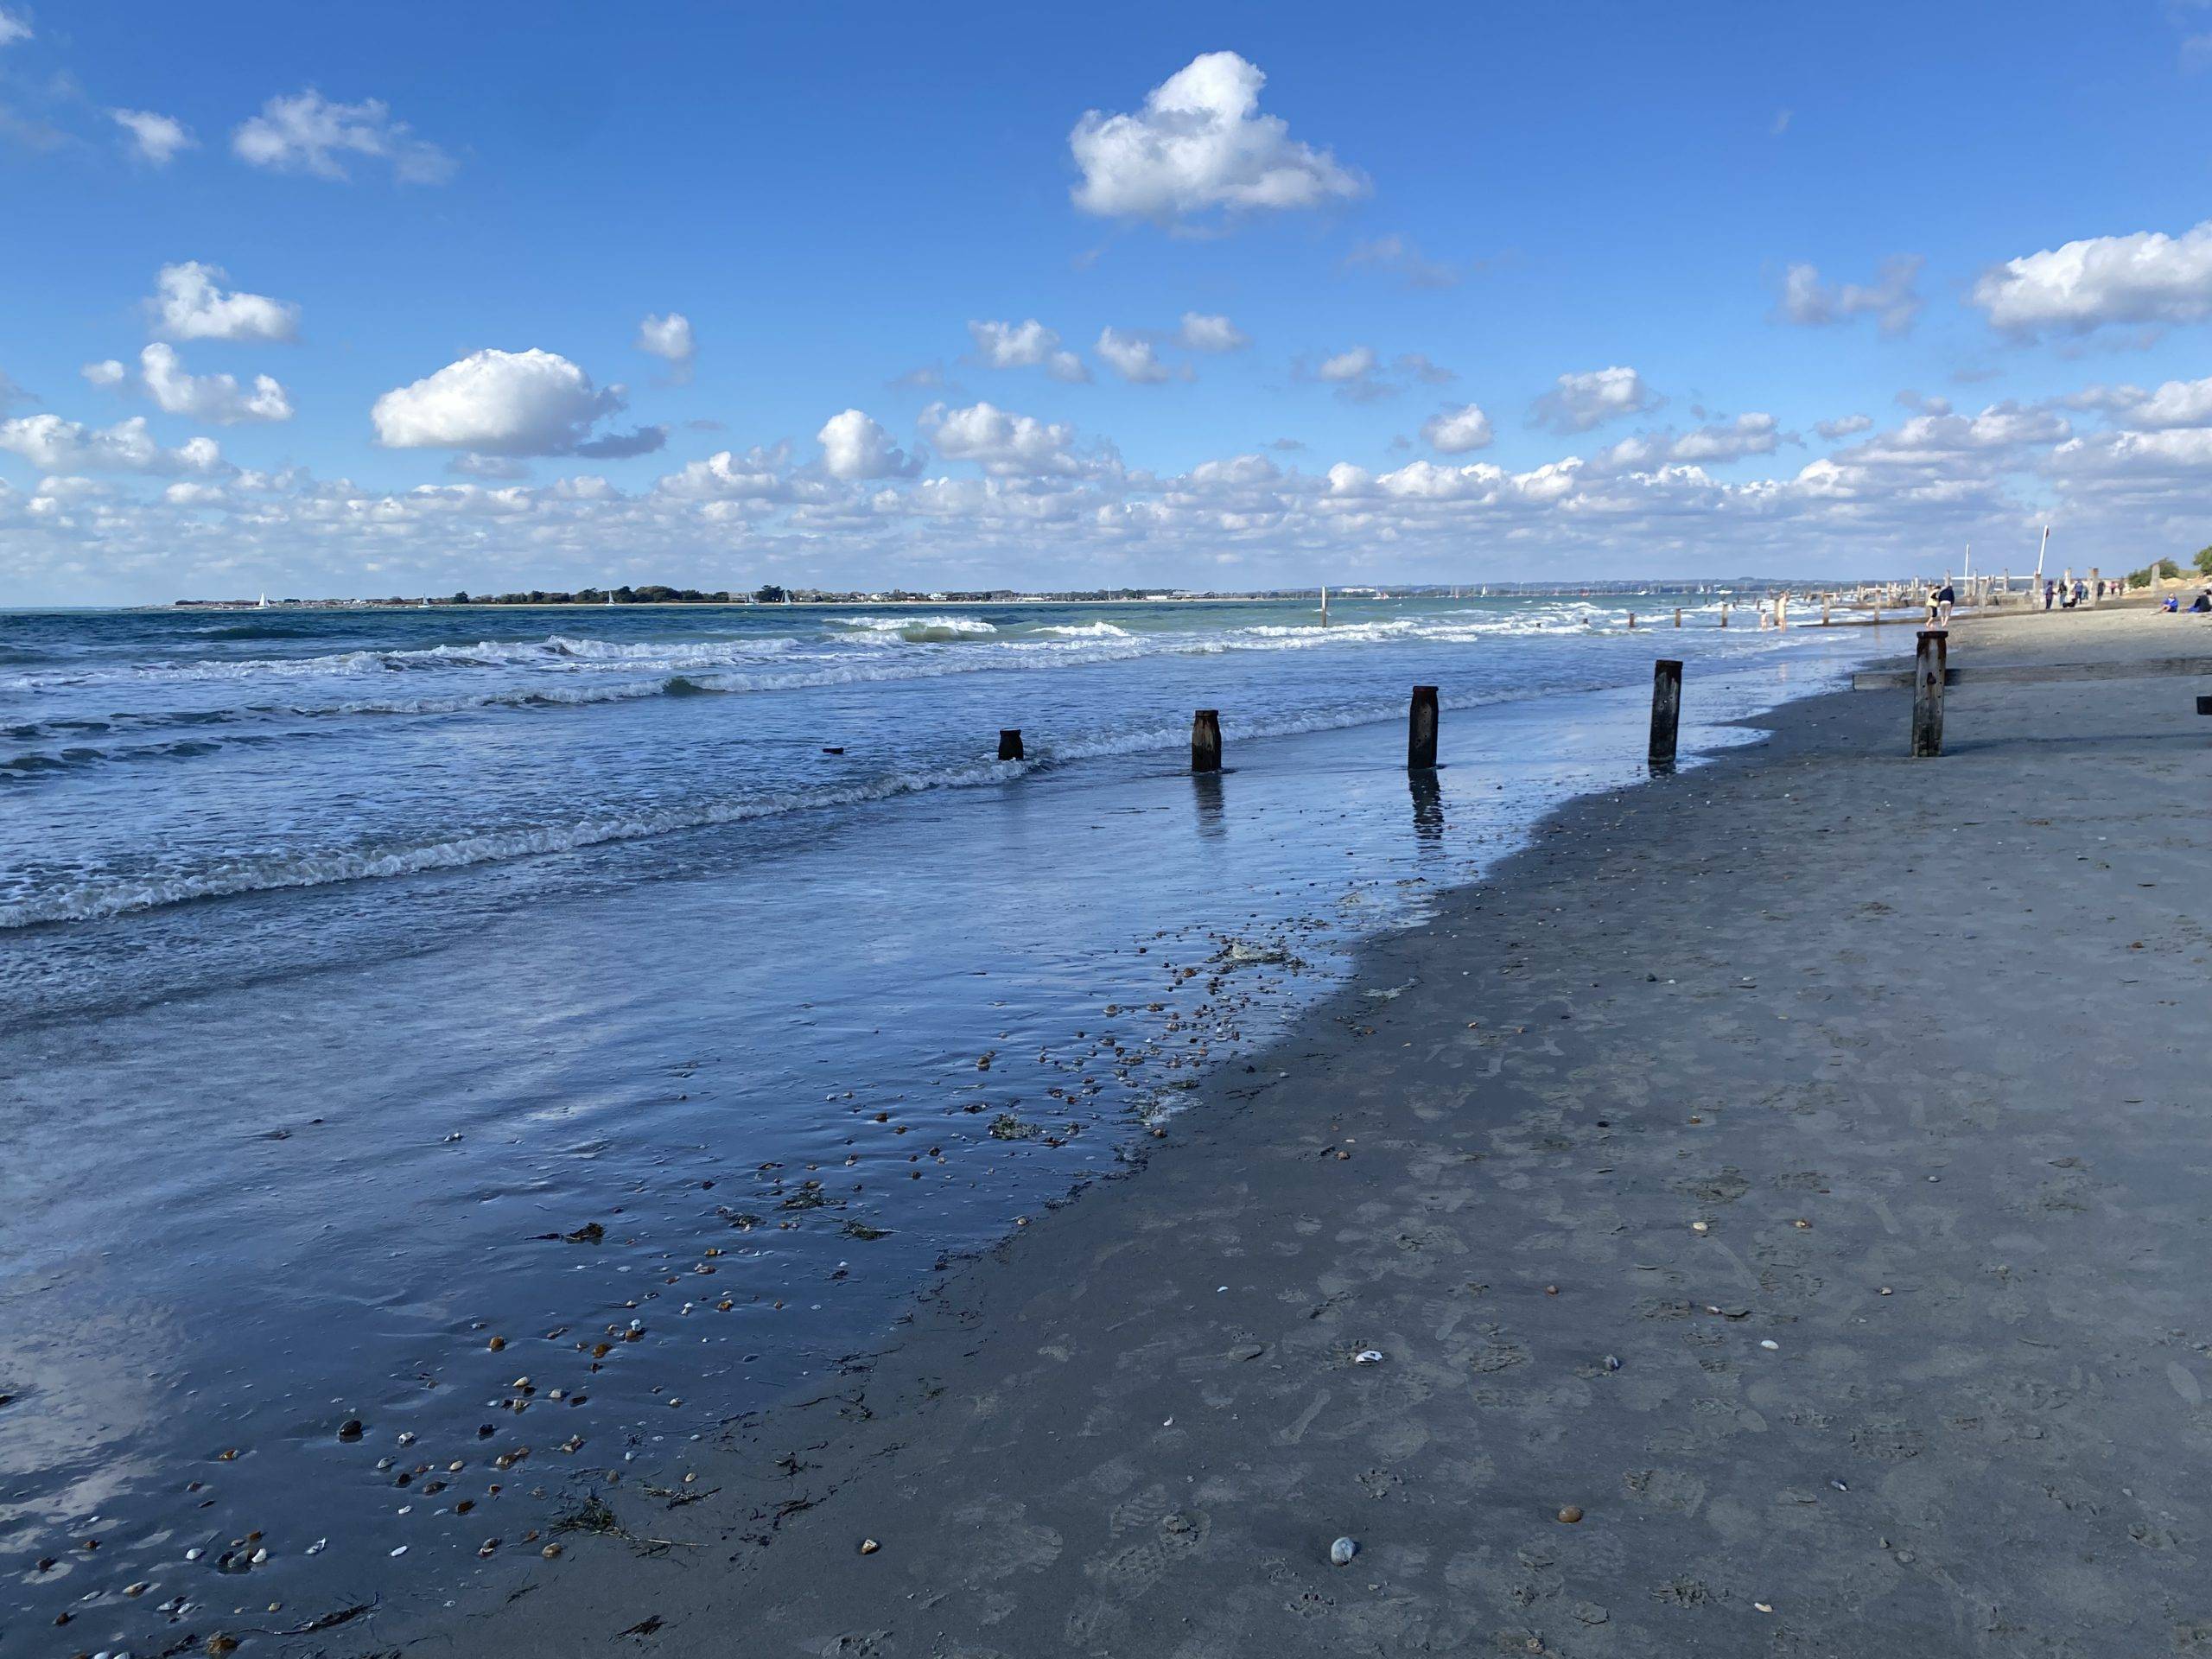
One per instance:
[(1399, 230)]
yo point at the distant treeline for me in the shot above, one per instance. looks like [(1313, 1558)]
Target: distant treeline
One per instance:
[(653, 594)]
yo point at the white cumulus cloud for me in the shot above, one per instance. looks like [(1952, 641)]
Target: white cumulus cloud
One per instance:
[(1455, 431), (494, 403), (1133, 357), (1023, 346), (1200, 143), (1203, 333), (308, 133), (14, 26), (2149, 277), (218, 398), (1007, 445), (153, 138), (190, 303), (854, 446), (55, 445), (669, 337), (2175, 404), (1579, 402), (1891, 299)]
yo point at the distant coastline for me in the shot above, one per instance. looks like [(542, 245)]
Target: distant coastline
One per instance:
[(776, 596)]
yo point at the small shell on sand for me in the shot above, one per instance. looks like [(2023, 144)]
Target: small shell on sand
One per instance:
[(869, 1546), (1342, 1551)]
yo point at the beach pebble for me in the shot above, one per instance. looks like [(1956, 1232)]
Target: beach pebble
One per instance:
[(1613, 1362), (1368, 1356), (551, 1552), (1700, 1227), (1571, 1514), (1342, 1551), (869, 1546), (350, 1429), (1768, 1342)]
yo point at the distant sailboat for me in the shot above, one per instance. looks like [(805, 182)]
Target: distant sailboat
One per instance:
[(264, 603)]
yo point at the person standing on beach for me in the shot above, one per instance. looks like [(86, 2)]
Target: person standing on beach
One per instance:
[(1932, 602), (2049, 593), (1946, 596)]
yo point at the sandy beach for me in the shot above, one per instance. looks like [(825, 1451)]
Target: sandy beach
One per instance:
[(1767, 1217)]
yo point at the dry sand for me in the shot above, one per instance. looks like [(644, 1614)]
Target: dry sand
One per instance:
[(1921, 1044)]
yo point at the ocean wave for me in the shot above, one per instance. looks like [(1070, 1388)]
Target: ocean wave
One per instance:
[(915, 630), (1086, 631), (114, 896)]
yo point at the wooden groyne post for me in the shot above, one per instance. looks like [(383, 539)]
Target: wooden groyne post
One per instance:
[(1420, 730), (1666, 709), (1929, 663), (1206, 740), (1678, 616), (1010, 743)]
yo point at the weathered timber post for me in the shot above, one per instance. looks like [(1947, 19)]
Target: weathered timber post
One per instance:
[(1009, 743), (1632, 621), (1421, 729), (2097, 586), (1678, 616), (1929, 662), (1782, 610), (2204, 705), (1824, 610), (1666, 709), (1206, 740), (1724, 613)]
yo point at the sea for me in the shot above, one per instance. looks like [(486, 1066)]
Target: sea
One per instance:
[(449, 1056)]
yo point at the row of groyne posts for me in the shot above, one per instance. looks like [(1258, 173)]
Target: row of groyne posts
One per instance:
[(1931, 672), (1423, 721)]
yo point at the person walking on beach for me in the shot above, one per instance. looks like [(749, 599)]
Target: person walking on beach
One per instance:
[(1946, 596), (1932, 600), (2049, 593)]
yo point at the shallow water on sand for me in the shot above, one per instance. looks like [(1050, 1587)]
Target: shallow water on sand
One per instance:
[(370, 1061)]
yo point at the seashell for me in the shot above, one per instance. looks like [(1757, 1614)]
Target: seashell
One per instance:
[(1768, 1342), (1342, 1551), (1368, 1356)]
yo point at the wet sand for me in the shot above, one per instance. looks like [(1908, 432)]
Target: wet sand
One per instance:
[(1778, 1200)]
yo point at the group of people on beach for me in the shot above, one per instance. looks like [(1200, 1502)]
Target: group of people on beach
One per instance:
[(2066, 598)]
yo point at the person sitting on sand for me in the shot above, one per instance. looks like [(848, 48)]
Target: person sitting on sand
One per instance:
[(2203, 603), (2171, 604)]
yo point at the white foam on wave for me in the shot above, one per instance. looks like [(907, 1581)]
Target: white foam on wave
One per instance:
[(1086, 631), (916, 628)]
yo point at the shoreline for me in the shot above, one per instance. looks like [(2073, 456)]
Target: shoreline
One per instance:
[(1078, 1392)]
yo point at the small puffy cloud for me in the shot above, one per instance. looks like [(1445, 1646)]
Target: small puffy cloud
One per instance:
[(217, 397), (1747, 434), (1024, 346), (14, 26), (2149, 277), (853, 446), (494, 403), (669, 338), (1345, 367), (1398, 255), (1582, 401), (1844, 427), (1203, 333), (1891, 299), (153, 138), (190, 303), (2177, 403), (53, 445), (307, 133), (11, 394), (1007, 445), (1133, 357), (1200, 143), (1455, 431)]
